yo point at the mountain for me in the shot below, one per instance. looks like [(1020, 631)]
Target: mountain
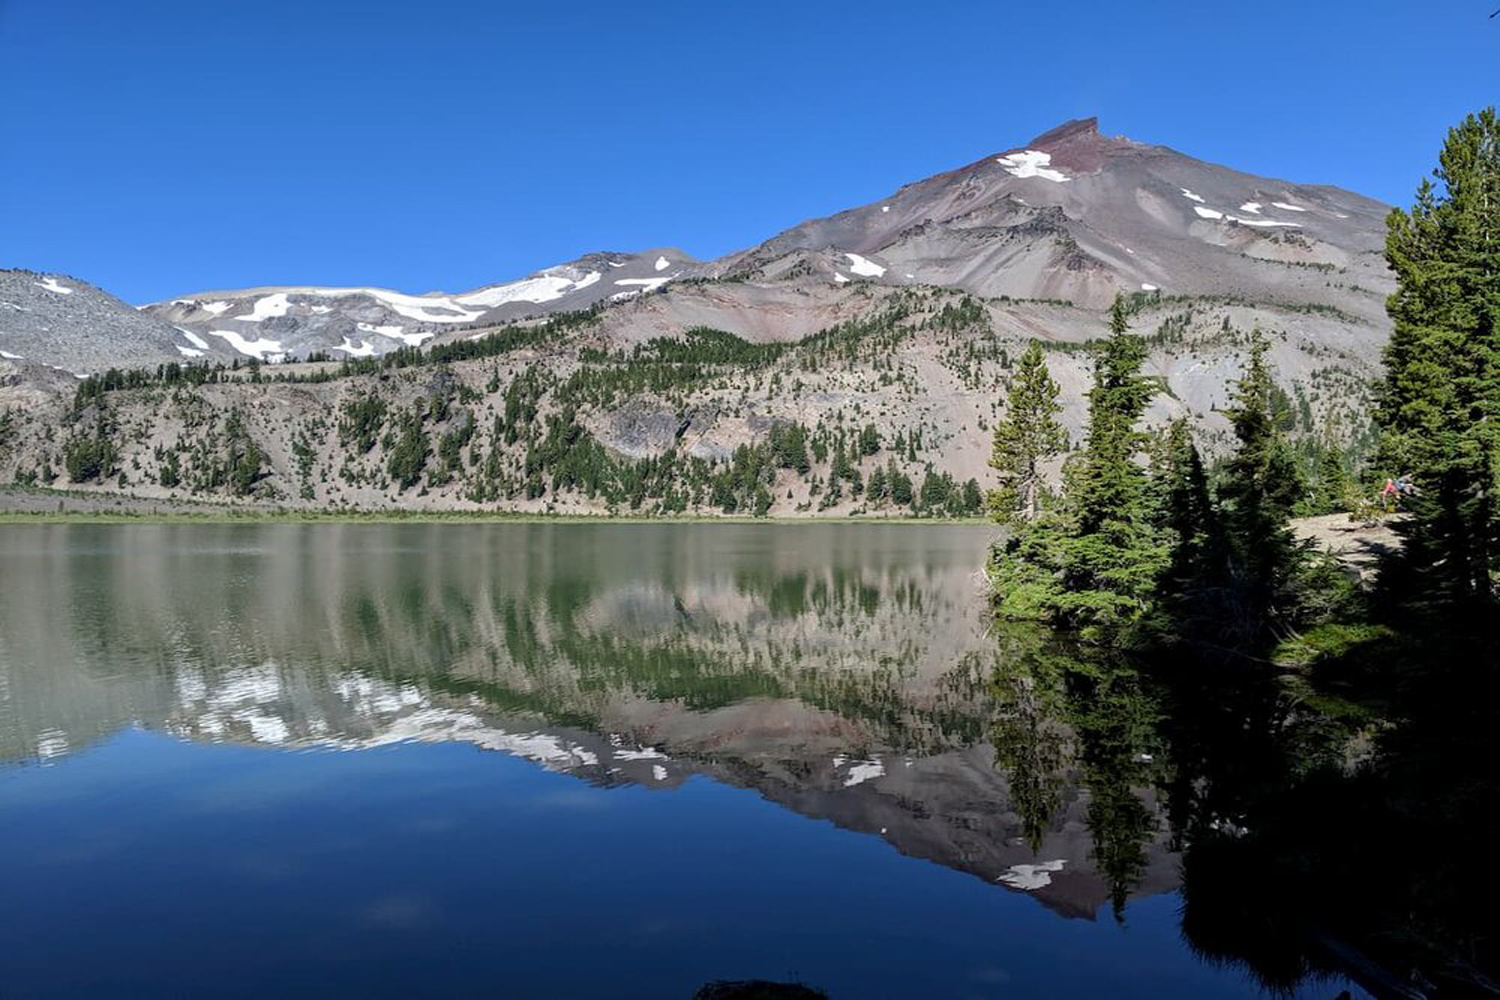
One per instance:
[(1078, 215), (274, 324), (897, 320), (60, 322)]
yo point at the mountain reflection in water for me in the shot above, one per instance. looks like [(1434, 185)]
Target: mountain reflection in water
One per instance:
[(846, 673)]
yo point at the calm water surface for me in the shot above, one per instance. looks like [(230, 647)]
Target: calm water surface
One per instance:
[(553, 761)]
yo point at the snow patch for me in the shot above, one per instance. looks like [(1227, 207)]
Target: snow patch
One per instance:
[(188, 352), (646, 284), (1148, 288), (11, 357), (864, 266), (662, 263), (356, 349), (1030, 163), (53, 285), (1213, 213), (193, 338), (395, 332), (542, 288), (1264, 223), (658, 772), (1191, 197), (885, 208), (423, 308), (262, 349), (267, 307), (1253, 207), (839, 278), (1289, 208)]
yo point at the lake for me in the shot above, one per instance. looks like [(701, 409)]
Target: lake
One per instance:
[(561, 760)]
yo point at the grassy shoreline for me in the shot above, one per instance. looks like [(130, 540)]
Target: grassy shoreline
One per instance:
[(439, 517), (102, 508)]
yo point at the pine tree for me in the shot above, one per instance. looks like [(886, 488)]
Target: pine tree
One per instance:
[(1332, 483), (1027, 436), (1261, 486), (1439, 407), (1113, 555)]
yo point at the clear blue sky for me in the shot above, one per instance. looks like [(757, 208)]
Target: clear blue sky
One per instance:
[(157, 148)]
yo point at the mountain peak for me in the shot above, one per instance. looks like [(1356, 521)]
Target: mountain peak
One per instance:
[(1067, 130)]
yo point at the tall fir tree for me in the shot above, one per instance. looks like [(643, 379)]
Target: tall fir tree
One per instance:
[(1261, 484), (1026, 437), (1113, 555), (1439, 406)]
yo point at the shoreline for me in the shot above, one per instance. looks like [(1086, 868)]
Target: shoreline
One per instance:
[(31, 505)]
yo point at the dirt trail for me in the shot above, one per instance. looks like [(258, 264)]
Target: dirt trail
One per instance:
[(1358, 546)]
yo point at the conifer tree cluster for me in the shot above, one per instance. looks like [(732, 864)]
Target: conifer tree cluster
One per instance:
[(1439, 405), (1140, 546)]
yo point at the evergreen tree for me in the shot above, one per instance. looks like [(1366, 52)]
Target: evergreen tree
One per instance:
[(1188, 512), (1112, 557), (1026, 436), (1332, 482), (1439, 407), (1261, 486)]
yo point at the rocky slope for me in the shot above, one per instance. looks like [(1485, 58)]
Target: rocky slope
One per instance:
[(59, 322), (897, 321)]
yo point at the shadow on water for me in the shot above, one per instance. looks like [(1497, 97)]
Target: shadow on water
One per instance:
[(1318, 836)]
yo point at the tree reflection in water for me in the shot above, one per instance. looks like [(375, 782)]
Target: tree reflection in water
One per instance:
[(1319, 835)]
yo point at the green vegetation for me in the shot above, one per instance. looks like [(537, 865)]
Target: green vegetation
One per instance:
[(1439, 406), (1028, 436)]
